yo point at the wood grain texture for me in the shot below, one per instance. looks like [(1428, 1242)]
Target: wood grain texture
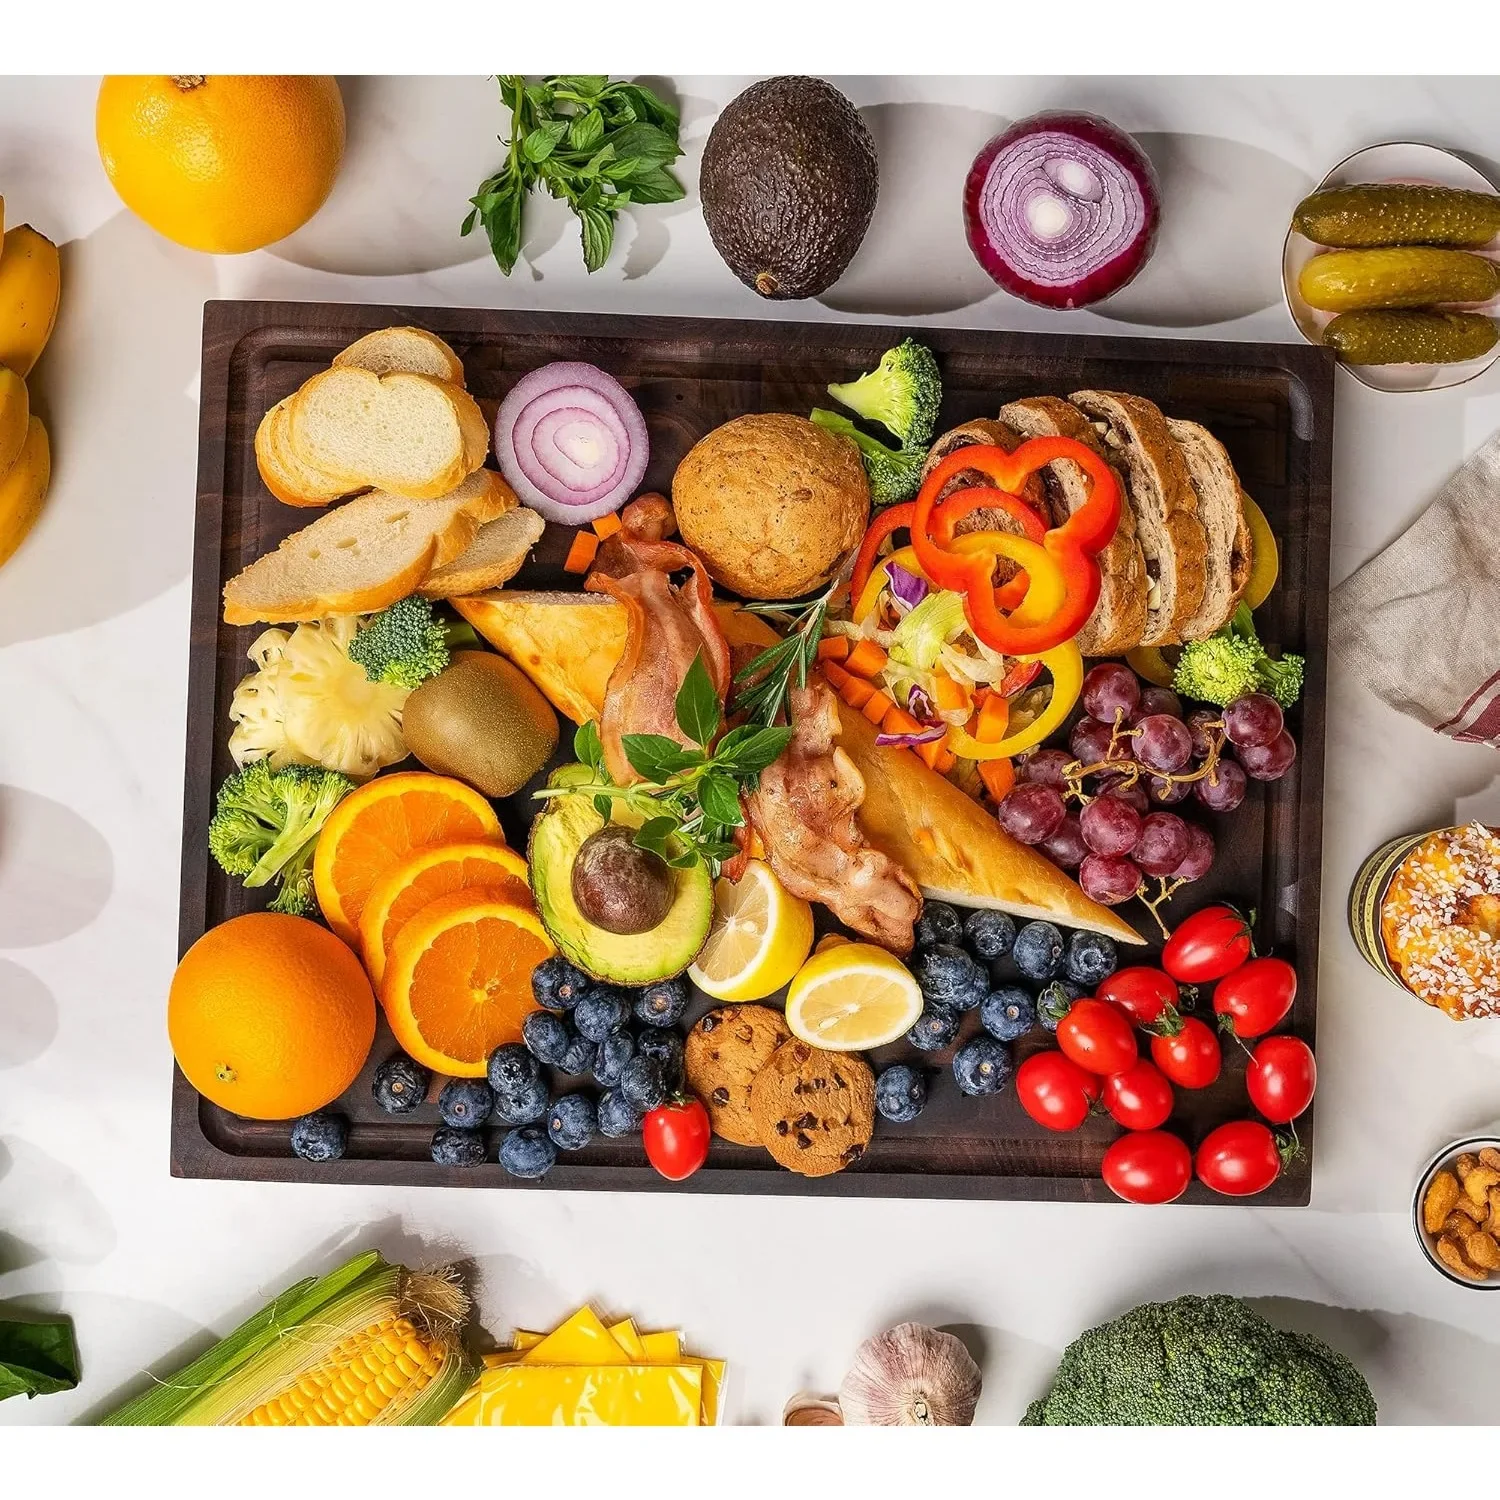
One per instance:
[(1271, 406)]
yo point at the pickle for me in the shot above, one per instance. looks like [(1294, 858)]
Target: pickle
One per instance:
[(1401, 276), (1398, 213), (1410, 338)]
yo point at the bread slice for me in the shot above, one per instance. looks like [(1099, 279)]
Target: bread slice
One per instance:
[(1135, 436), (1221, 509), (288, 479), (413, 349), (491, 560), (364, 555), (409, 435), (568, 644), (1119, 619)]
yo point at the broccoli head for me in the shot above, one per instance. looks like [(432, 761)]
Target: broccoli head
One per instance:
[(902, 393), (1202, 1362), (403, 645), (266, 823), (1233, 662), (893, 473)]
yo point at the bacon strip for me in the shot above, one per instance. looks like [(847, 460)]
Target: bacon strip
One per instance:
[(804, 811), (665, 628)]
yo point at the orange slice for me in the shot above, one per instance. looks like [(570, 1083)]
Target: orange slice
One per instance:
[(458, 981), (423, 876), (378, 825)]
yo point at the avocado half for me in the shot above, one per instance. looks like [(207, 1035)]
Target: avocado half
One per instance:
[(636, 958), (788, 183)]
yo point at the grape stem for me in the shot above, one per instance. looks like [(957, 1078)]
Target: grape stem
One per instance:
[(1169, 888), (1132, 770)]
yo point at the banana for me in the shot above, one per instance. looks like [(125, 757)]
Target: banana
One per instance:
[(15, 409), (30, 285), (23, 489)]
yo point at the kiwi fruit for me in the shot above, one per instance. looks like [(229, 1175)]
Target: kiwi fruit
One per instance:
[(481, 720)]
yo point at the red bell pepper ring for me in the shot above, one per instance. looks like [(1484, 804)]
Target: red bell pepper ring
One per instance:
[(891, 519)]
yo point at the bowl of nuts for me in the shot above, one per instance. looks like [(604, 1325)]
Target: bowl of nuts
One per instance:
[(1456, 1212)]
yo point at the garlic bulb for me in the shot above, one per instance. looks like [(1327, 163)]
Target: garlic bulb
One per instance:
[(911, 1376)]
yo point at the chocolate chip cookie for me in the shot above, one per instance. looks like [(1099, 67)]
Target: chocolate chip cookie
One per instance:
[(724, 1052), (814, 1110)]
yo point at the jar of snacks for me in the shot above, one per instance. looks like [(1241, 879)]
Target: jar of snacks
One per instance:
[(1425, 912)]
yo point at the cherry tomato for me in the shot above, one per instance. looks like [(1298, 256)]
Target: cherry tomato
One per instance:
[(1148, 1166), (677, 1136), (1207, 946), (1144, 994), (1097, 1036), (1140, 1098), (1190, 1057), (1256, 996), (1281, 1078), (1055, 1091), (1239, 1159)]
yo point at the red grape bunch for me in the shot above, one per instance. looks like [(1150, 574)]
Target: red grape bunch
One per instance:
[(1134, 755)]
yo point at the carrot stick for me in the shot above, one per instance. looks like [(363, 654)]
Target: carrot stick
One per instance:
[(898, 721), (581, 554), (948, 694), (837, 677), (946, 760), (998, 776), (877, 707), (866, 659), (990, 722), (857, 692), (833, 648), (931, 753), (607, 525)]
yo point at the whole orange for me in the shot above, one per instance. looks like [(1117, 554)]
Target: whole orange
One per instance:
[(224, 163), (270, 1016)]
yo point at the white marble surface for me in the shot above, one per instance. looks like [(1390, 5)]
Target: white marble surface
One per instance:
[(93, 660)]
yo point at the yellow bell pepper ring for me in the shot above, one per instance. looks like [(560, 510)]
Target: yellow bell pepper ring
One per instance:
[(1048, 588), (875, 585), (1065, 663)]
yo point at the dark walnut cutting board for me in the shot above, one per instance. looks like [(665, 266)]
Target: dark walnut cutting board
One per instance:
[(1272, 407)]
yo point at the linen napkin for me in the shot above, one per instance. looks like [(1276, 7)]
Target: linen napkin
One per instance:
[(1420, 622)]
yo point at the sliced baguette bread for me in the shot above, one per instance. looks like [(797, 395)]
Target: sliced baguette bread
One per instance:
[(365, 554), (409, 435), (1119, 619), (412, 349), (491, 560), (289, 479), (1221, 510), (1135, 436)]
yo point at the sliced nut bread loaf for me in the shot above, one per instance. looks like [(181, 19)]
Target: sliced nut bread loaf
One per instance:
[(1222, 512)]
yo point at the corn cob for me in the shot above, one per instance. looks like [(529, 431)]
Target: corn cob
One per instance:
[(369, 1344)]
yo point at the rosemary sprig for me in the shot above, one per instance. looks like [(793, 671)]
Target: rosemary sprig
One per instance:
[(763, 683)]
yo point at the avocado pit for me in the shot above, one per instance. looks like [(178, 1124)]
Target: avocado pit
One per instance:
[(618, 886)]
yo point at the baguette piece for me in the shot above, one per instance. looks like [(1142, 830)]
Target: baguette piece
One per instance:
[(1119, 619), (363, 555), (491, 560), (409, 435), (289, 479), (568, 644), (412, 349), (1221, 509), (1175, 547)]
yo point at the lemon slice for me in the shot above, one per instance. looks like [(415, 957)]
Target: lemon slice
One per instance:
[(852, 997), (759, 937)]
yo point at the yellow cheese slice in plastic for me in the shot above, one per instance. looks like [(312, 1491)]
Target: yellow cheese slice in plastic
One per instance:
[(523, 1395)]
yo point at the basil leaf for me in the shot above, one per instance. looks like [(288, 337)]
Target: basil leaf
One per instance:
[(648, 142), (37, 1359), (646, 105), (657, 758), (603, 806), (751, 756), (540, 143), (586, 131), (586, 85), (684, 861), (698, 711), (598, 235), (657, 835), (586, 745), (500, 213), (656, 186), (719, 797)]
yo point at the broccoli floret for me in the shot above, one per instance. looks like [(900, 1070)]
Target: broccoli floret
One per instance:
[(403, 645), (1232, 662), (894, 473), (266, 824), (1202, 1362), (902, 393)]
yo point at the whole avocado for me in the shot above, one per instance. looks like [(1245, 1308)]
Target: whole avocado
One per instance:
[(789, 181)]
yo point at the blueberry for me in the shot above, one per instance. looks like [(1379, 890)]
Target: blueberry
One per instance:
[(521, 1106), (579, 1058), (610, 1059), (1055, 1002), (546, 1036), (400, 1084), (949, 976), (642, 1084), (1009, 1013), (900, 1093), (465, 1103), (457, 1148), (600, 1012), (1038, 950), (512, 1067), (666, 1048), (982, 1066), (527, 1152), (572, 1121), (1091, 959), (663, 1003), (617, 1115), (935, 1028), (989, 934), (320, 1137), (939, 923), (557, 984)]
